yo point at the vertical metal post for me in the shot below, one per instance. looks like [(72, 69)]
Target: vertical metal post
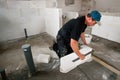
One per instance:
[(29, 59), (3, 74), (25, 30)]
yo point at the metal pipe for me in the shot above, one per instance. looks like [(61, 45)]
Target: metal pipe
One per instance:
[(25, 30), (3, 74), (29, 59)]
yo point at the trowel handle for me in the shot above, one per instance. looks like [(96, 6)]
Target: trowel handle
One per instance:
[(79, 58)]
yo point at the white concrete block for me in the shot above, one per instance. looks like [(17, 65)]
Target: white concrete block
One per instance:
[(43, 58), (71, 61), (37, 4), (3, 4), (29, 12), (53, 21), (9, 13), (26, 4), (69, 15), (17, 4), (13, 21)]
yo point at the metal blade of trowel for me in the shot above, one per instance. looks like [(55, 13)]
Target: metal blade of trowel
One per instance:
[(70, 61), (79, 58)]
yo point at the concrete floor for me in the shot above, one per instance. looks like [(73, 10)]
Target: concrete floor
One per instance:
[(106, 50), (13, 60)]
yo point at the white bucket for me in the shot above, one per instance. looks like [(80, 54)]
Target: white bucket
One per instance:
[(88, 38)]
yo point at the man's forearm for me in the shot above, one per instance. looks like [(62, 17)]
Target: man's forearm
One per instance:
[(83, 38), (74, 46)]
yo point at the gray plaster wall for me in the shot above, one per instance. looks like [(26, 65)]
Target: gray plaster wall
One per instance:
[(84, 6), (74, 7), (108, 5)]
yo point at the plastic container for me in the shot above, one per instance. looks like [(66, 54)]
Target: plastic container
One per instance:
[(88, 38)]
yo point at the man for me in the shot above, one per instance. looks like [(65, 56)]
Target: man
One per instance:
[(69, 34)]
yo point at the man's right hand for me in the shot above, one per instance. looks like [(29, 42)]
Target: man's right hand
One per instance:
[(74, 46), (82, 56)]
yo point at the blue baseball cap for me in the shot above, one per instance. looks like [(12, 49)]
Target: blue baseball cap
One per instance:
[(95, 15)]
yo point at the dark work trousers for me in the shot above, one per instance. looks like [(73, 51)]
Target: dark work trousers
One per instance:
[(62, 47)]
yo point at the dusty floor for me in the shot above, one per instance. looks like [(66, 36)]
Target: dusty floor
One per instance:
[(106, 50), (13, 60)]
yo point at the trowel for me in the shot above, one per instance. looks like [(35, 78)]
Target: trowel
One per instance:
[(71, 61)]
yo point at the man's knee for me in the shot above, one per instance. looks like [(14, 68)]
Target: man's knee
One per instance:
[(62, 52)]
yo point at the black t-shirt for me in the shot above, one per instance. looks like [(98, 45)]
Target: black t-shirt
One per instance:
[(73, 29)]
